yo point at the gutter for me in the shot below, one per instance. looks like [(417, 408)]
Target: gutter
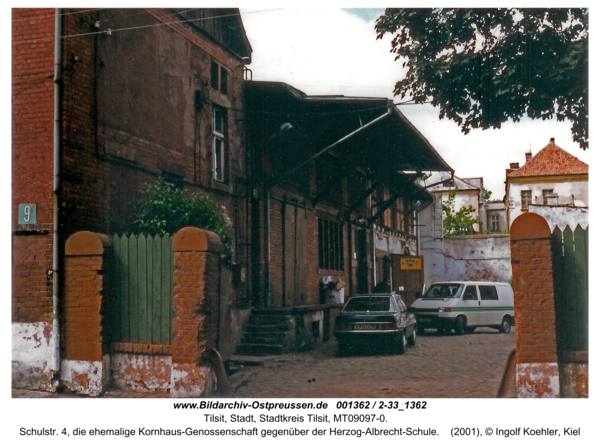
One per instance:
[(56, 190)]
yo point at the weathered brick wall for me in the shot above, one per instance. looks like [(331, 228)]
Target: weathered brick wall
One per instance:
[(32, 161), (82, 305), (278, 251), (534, 300), (85, 364), (531, 258), (85, 292), (195, 301)]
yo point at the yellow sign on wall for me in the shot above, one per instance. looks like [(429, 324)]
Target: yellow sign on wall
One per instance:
[(410, 263)]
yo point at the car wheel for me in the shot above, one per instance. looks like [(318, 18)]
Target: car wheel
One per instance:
[(461, 325), (505, 326), (402, 343), (412, 339)]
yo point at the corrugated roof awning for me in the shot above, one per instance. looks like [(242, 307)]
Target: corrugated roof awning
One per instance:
[(390, 143)]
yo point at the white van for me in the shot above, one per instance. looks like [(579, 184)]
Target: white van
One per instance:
[(464, 306)]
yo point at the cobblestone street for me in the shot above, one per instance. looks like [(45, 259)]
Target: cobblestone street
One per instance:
[(468, 366)]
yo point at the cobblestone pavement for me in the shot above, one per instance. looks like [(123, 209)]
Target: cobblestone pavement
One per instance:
[(468, 366)]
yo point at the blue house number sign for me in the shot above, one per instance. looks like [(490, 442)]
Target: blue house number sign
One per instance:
[(27, 214)]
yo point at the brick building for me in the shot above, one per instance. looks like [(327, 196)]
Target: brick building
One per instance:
[(334, 197), (104, 101)]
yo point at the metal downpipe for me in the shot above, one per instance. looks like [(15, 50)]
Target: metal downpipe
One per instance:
[(56, 189)]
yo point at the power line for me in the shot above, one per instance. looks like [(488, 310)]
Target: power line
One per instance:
[(48, 16), (110, 31)]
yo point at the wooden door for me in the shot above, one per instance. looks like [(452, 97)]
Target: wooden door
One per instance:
[(409, 272), (294, 256)]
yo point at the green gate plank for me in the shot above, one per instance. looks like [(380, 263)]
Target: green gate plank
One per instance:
[(134, 314), (171, 276), (124, 298), (165, 322), (156, 288), (149, 285), (142, 287), (569, 321), (559, 281), (116, 312), (581, 298)]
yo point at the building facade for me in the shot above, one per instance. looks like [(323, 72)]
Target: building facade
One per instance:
[(104, 102), (552, 179)]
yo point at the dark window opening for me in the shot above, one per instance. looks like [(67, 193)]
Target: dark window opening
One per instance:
[(219, 77), (219, 139), (525, 199), (546, 194), (223, 80), (331, 244), (495, 223)]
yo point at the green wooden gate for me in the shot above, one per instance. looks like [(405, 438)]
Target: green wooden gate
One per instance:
[(142, 309), (570, 272)]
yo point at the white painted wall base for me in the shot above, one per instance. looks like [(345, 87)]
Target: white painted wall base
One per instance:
[(32, 356), (191, 381), (86, 377), (538, 380)]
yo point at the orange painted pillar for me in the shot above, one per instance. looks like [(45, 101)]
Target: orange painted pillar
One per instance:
[(197, 260), (531, 258), (85, 365)]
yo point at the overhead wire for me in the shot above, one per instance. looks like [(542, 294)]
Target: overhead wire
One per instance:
[(110, 31), (49, 16)]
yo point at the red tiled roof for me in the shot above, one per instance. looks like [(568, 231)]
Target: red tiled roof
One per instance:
[(551, 160)]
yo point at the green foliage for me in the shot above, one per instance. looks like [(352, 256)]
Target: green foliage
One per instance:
[(424, 177), (488, 194), (457, 223), (505, 232), (483, 67), (164, 209)]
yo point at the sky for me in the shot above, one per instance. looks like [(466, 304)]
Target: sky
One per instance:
[(335, 51)]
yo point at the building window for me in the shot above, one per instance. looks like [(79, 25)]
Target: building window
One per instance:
[(495, 223), (525, 199), (218, 130), (218, 77), (331, 245), (547, 193)]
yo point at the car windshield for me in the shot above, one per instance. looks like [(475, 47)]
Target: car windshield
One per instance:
[(370, 303), (443, 290)]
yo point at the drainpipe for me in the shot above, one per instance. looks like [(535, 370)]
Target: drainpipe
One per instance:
[(268, 242), (56, 189), (373, 243)]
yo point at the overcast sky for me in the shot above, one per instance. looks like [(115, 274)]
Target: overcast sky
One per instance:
[(335, 51)]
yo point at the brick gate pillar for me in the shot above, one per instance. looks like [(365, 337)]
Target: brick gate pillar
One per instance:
[(85, 367), (195, 301), (531, 258)]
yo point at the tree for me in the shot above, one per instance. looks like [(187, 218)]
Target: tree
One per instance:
[(457, 223), (163, 209), (483, 67)]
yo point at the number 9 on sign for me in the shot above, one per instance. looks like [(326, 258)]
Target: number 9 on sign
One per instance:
[(27, 214)]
